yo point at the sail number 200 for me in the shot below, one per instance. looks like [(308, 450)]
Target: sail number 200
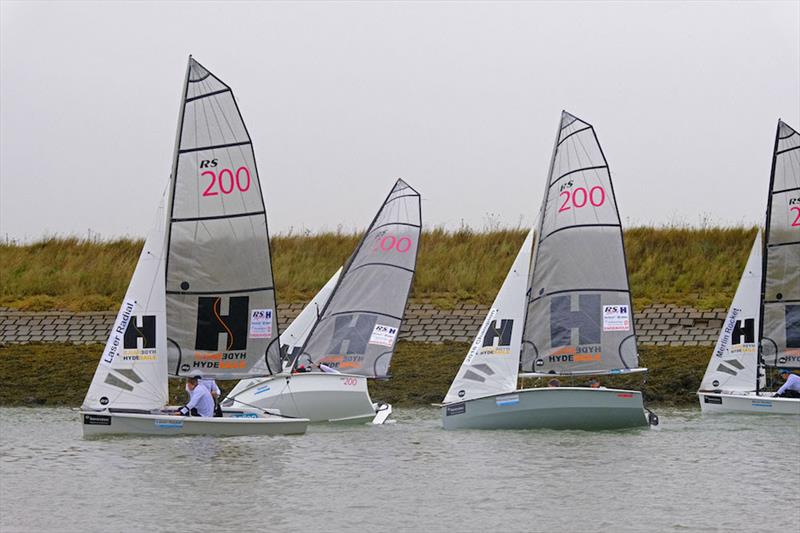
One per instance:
[(579, 197), (226, 180)]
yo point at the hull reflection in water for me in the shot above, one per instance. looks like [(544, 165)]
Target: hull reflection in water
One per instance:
[(234, 423), (551, 408)]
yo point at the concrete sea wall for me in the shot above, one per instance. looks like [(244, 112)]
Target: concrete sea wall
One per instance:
[(657, 324)]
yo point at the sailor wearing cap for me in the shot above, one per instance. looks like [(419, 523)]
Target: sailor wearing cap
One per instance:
[(200, 401), (790, 389)]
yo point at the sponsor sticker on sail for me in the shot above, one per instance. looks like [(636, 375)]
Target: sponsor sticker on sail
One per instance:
[(261, 323), (383, 335), (616, 318)]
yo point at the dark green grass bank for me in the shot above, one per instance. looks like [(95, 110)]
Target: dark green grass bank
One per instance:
[(59, 374), (683, 266)]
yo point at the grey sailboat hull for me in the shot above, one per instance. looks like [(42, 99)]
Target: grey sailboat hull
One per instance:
[(553, 408), (233, 424)]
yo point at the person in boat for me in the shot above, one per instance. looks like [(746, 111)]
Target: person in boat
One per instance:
[(594, 383), (213, 388), (200, 401), (553, 383), (791, 385)]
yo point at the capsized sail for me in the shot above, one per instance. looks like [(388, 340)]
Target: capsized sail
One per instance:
[(579, 310), (358, 328), (780, 331), (734, 364), (492, 363), (221, 311), (132, 373)]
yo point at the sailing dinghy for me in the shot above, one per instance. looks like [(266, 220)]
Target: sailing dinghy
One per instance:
[(767, 302), (564, 310), (201, 299), (356, 330)]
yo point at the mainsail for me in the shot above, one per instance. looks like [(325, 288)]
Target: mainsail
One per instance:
[(221, 312), (780, 327), (579, 317), (132, 373), (734, 363), (358, 328), (492, 362)]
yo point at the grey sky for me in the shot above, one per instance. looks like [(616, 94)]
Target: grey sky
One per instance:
[(462, 100)]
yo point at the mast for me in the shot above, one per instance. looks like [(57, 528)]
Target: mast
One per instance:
[(764, 255)]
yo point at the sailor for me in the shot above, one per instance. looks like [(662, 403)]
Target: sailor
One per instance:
[(212, 387), (200, 401), (594, 383), (553, 383), (791, 387)]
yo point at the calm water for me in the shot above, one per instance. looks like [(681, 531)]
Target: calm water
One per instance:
[(693, 473)]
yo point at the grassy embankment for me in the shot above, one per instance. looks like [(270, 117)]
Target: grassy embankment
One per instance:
[(59, 374), (698, 267)]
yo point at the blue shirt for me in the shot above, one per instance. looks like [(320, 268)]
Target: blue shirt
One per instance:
[(792, 383)]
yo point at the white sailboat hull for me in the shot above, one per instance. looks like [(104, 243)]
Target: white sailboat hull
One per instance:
[(233, 423), (318, 396), (553, 408), (747, 402)]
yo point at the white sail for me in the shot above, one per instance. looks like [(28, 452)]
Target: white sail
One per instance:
[(132, 373), (293, 337), (734, 363), (492, 362)]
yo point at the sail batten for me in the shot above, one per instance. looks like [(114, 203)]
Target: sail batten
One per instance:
[(780, 290), (579, 314)]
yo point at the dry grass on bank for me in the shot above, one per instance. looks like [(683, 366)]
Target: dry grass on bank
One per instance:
[(699, 267)]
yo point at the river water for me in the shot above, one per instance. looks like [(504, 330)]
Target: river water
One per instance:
[(692, 473)]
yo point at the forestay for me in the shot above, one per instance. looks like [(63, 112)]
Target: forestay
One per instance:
[(358, 327), (780, 338), (579, 311), (734, 364), (221, 312), (492, 363), (132, 373)]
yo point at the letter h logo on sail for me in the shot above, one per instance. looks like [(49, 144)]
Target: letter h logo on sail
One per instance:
[(211, 323), (356, 334), (744, 328), (503, 333), (145, 330), (586, 320)]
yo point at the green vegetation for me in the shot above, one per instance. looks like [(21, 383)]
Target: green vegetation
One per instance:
[(698, 267), (59, 374)]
